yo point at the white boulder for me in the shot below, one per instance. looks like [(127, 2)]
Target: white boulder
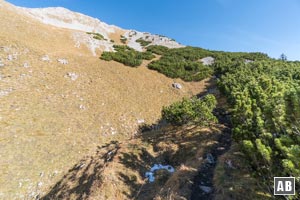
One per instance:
[(177, 85), (63, 61), (207, 60), (45, 58), (73, 76)]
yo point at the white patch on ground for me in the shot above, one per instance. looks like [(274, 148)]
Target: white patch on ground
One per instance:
[(26, 65), (177, 85), (5, 92), (140, 121), (207, 60), (10, 57), (45, 58), (1, 63), (64, 18), (107, 129), (132, 36), (150, 174), (73, 76), (63, 61), (248, 61), (91, 43), (82, 107)]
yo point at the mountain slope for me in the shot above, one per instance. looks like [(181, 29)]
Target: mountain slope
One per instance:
[(59, 102), (64, 18)]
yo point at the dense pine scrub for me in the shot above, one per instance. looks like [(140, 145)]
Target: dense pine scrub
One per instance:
[(159, 50), (127, 56), (181, 63), (185, 63), (265, 97)]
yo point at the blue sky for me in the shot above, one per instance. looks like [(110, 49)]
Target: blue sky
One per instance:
[(270, 26)]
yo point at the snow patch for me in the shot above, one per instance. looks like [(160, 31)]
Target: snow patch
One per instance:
[(150, 174)]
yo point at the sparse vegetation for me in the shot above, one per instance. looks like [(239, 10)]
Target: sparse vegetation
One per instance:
[(96, 36), (127, 56), (193, 110), (123, 39), (143, 42)]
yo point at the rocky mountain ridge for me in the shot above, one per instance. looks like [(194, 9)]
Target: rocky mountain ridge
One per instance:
[(64, 18)]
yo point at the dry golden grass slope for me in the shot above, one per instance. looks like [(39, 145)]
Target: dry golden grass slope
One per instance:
[(48, 121)]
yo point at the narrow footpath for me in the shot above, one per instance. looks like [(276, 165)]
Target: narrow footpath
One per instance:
[(203, 187)]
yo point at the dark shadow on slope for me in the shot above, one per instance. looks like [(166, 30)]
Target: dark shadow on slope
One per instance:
[(172, 147), (80, 179), (206, 170), (139, 162), (210, 88), (175, 146)]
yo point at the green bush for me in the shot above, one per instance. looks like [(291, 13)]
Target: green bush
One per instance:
[(123, 39), (264, 96), (127, 56), (157, 49), (96, 36), (143, 42), (181, 62), (193, 110)]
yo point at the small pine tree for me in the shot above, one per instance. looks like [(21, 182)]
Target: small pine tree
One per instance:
[(283, 57)]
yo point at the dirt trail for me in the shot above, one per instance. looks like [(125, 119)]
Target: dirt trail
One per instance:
[(206, 170)]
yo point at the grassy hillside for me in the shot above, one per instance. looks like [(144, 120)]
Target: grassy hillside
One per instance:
[(49, 119), (76, 130)]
